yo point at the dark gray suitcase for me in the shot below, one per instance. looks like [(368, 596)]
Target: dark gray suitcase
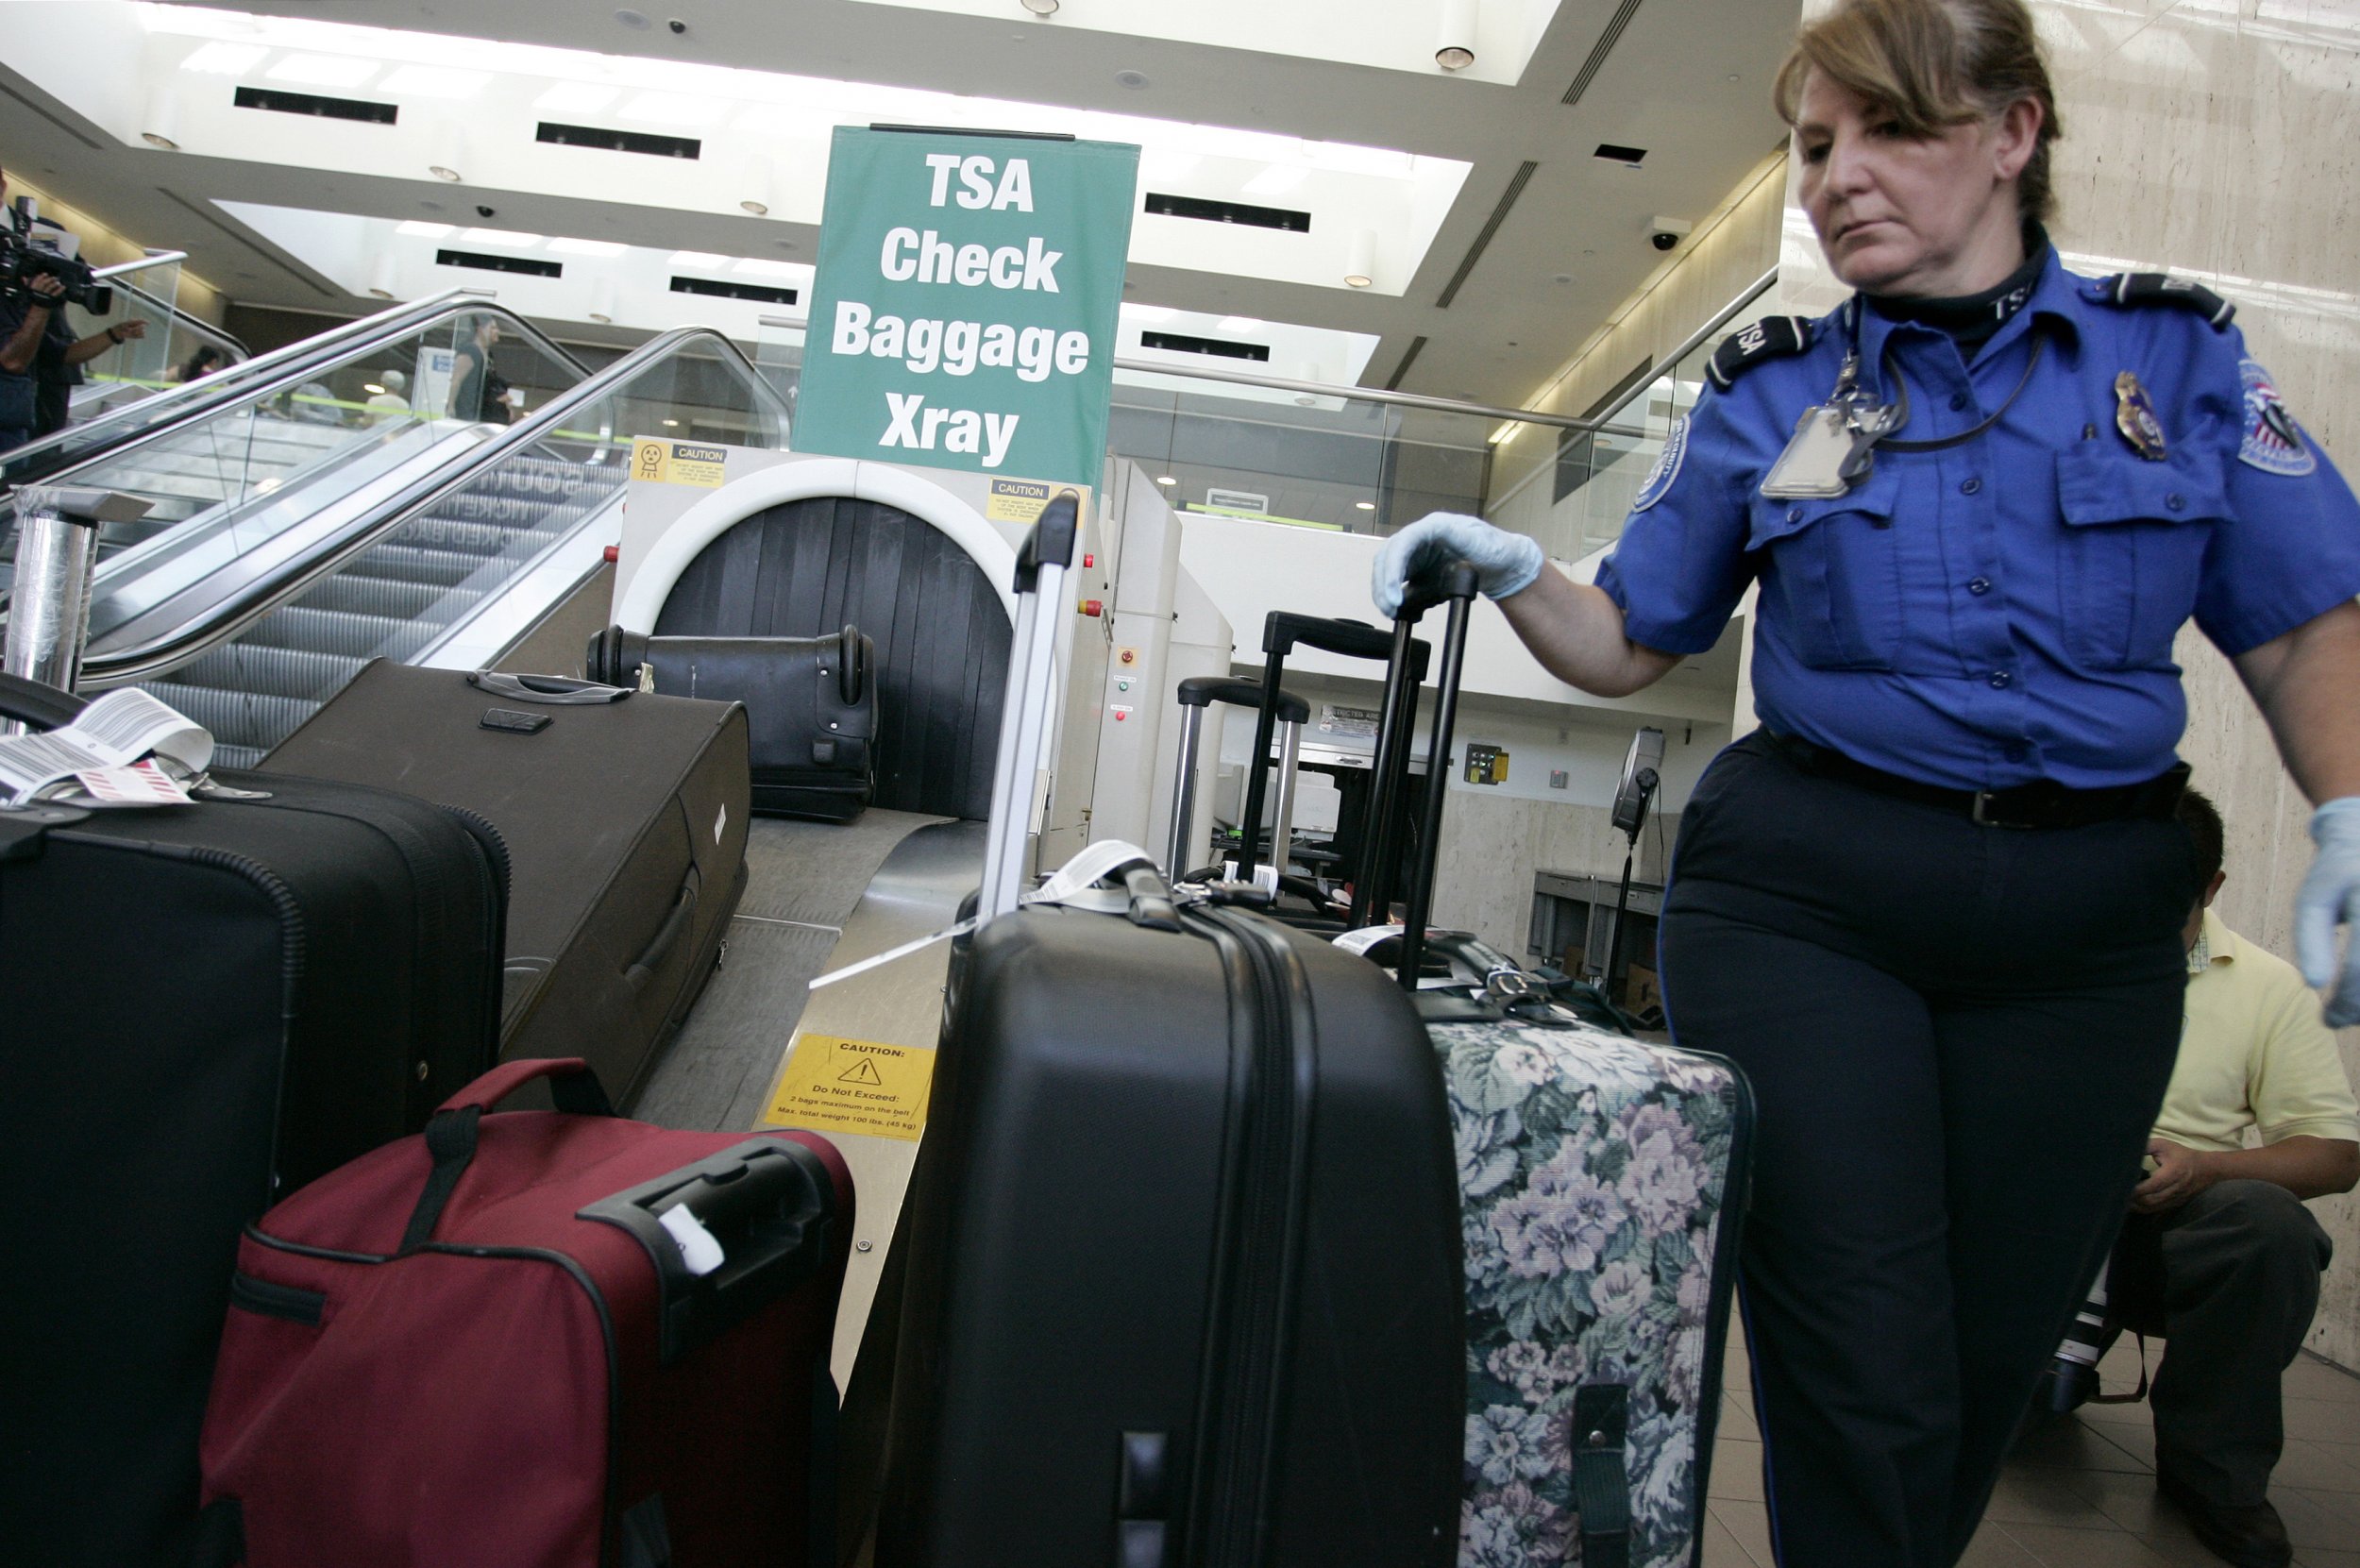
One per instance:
[(626, 827), (1181, 1279), (202, 1007), (810, 707)]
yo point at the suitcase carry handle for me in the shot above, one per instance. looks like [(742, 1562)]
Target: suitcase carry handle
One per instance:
[(44, 707), (851, 664), (1241, 691), (450, 1133), (1283, 631), (1024, 722), (558, 691), (666, 936)]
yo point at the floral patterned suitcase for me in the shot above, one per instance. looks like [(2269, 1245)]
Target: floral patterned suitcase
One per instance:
[(1602, 1183)]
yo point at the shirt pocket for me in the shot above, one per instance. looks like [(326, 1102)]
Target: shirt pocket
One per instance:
[(2131, 555), (1830, 575)]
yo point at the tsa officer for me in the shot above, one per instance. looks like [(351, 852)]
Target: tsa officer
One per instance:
[(1931, 907)]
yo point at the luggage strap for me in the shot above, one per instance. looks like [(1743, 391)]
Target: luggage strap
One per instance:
[(1602, 1474), (450, 1136)]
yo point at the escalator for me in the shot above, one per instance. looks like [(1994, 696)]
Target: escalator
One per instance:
[(258, 425), (447, 553)]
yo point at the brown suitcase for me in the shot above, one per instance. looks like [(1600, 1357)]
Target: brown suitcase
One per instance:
[(625, 820)]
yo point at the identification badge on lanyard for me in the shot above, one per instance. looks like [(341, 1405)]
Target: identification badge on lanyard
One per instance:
[(1831, 448)]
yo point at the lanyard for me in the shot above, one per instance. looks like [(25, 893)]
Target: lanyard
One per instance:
[(1896, 416)]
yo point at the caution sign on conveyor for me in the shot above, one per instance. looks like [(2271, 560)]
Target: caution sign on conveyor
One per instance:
[(834, 1085)]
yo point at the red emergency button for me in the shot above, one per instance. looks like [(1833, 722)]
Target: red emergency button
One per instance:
[(1091, 607), (1088, 560), (1130, 656), (614, 553)]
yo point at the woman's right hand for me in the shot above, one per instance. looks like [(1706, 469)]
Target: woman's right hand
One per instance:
[(1504, 562)]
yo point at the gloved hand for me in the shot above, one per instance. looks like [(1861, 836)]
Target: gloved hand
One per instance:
[(1504, 562), (2330, 897)]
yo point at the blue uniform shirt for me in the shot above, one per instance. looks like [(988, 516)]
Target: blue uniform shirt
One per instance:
[(2003, 610)]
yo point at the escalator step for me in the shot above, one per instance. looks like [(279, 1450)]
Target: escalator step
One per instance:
[(342, 631), (402, 563), (271, 671), (236, 718), (375, 596)]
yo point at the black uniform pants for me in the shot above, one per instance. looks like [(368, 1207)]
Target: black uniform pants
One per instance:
[(2232, 1275), (1957, 1038)]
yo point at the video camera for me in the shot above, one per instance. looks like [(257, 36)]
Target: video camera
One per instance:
[(31, 247)]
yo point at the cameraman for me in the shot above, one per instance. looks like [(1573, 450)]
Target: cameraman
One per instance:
[(39, 355)]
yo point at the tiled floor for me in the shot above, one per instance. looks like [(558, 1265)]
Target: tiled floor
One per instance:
[(2082, 1494)]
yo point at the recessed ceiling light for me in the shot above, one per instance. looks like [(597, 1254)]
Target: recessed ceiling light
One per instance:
[(220, 58), (636, 20), (443, 171), (1166, 479), (324, 69), (1041, 8), (1365, 506), (1276, 180), (1132, 79), (576, 98)]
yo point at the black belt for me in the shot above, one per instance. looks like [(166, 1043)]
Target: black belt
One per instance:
[(2042, 804)]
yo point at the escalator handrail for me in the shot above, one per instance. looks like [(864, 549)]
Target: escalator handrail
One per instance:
[(238, 611), (291, 366), (139, 264)]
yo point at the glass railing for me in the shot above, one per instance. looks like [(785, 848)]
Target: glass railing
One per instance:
[(1572, 488), (1362, 460), (167, 346), (269, 461), (450, 564)]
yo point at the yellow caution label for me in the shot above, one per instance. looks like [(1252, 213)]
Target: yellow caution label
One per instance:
[(833, 1085), (1016, 500), (658, 461), (698, 465)]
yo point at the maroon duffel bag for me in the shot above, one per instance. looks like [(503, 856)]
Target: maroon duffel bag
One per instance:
[(499, 1342)]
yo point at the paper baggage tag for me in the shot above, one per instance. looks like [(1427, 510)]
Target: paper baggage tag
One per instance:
[(140, 785), (1832, 447)]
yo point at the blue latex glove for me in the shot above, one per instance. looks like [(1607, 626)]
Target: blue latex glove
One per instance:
[(2330, 898), (1504, 562)]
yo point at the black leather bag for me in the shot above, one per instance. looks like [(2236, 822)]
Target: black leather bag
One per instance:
[(811, 704)]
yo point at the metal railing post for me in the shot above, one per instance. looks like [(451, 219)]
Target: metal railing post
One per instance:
[(57, 554)]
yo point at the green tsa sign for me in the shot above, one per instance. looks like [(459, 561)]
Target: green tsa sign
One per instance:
[(964, 315)]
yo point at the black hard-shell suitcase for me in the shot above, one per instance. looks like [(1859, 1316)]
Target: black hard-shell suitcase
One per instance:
[(810, 707), (202, 1007), (1182, 1248), (625, 816)]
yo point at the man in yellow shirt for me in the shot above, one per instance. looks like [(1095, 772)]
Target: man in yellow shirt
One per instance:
[(2219, 1247)]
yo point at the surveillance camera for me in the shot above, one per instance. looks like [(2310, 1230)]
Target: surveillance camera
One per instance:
[(1664, 233), (483, 211), (678, 26), (1663, 239)]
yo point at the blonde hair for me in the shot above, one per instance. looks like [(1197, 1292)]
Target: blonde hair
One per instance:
[(1932, 64)]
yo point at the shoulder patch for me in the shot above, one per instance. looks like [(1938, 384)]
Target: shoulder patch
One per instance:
[(2273, 442), (2160, 288), (1666, 469), (1771, 338)]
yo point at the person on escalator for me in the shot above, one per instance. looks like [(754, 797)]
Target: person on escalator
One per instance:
[(478, 391)]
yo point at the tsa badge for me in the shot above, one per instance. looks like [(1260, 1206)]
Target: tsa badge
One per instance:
[(1667, 467), (2134, 416), (2273, 443)]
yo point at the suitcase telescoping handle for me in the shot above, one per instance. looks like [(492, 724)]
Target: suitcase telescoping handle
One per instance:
[(1450, 582), (1040, 568), (450, 1133), (1196, 694), (1283, 631)]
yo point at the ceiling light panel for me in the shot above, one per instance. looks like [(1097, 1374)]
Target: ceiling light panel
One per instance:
[(323, 70), (435, 81), (224, 58), (576, 98)]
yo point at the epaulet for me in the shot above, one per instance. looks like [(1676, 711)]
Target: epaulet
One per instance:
[(2161, 288), (1771, 338)]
